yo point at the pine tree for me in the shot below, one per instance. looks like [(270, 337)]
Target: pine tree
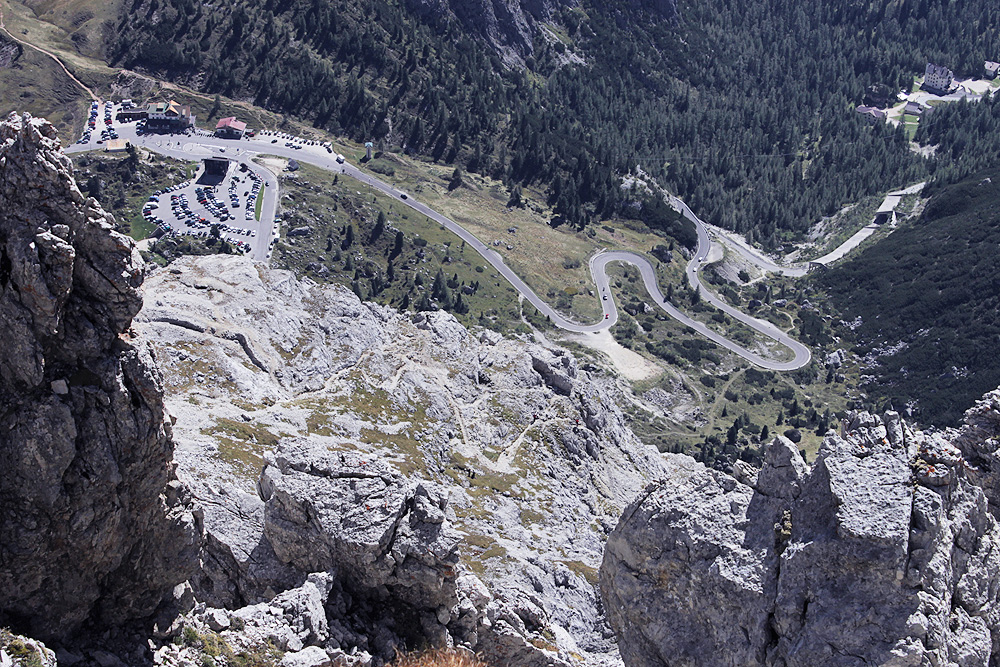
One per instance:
[(378, 228), (456, 180), (397, 246)]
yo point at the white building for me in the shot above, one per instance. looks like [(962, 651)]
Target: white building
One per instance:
[(992, 69), (937, 78), (169, 114)]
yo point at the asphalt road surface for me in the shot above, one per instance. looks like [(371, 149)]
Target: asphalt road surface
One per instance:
[(199, 146)]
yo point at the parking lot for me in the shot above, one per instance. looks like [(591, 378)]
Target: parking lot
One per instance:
[(195, 207), (100, 128)]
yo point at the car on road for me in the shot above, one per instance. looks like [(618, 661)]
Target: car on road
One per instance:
[(402, 195), (605, 297), (340, 158)]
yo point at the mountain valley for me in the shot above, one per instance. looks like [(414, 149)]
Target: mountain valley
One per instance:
[(552, 334)]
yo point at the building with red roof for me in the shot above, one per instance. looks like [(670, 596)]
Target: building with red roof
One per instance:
[(230, 128)]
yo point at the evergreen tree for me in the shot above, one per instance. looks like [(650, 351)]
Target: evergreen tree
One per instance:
[(397, 246), (456, 180), (378, 228)]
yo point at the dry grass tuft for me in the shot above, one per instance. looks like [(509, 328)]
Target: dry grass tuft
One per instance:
[(439, 658)]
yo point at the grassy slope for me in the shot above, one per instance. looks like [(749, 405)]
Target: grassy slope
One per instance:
[(54, 26), (35, 84), (84, 24)]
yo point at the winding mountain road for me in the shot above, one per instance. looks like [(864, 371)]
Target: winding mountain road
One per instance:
[(200, 146)]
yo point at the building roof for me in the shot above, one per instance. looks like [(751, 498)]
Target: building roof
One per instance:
[(232, 124), (937, 69), (172, 108), (874, 112), (992, 66)]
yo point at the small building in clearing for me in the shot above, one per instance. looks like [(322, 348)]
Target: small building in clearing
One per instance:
[(991, 69), (871, 114), (230, 128)]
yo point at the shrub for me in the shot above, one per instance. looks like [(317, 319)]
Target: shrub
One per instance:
[(439, 658)]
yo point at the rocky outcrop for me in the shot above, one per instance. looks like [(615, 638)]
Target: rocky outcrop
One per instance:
[(385, 539), (885, 552), (456, 486), (95, 529), (514, 28), (16, 650), (509, 26), (979, 441)]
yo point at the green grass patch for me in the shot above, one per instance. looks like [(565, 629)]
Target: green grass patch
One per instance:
[(242, 445), (140, 228), (334, 229)]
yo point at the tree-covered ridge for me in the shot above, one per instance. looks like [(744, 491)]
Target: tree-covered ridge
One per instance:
[(363, 68), (928, 299), (965, 135), (752, 114), (745, 110)]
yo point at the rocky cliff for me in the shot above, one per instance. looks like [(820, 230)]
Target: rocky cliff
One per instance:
[(884, 552), (509, 26), (433, 484), (94, 527), (516, 28)]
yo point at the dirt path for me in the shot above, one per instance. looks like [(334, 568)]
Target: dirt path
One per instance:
[(50, 55)]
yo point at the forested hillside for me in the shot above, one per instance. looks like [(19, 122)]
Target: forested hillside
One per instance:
[(966, 137), (928, 302), (744, 110)]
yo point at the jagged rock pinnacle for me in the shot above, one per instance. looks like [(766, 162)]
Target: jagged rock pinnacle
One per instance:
[(94, 527)]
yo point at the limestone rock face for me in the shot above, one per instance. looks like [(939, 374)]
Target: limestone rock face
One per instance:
[(979, 441), (456, 486), (94, 527), (885, 552), (386, 538)]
